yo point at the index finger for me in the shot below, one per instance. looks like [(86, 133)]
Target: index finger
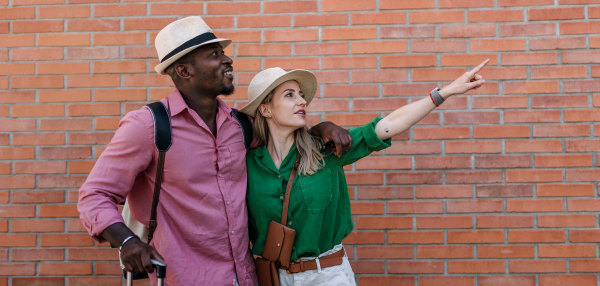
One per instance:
[(479, 67)]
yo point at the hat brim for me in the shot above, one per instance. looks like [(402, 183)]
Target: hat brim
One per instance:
[(305, 79), (160, 68)]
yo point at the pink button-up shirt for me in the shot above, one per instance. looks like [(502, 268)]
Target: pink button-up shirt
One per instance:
[(202, 228)]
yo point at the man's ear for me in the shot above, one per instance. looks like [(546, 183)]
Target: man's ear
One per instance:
[(184, 70), (264, 111)]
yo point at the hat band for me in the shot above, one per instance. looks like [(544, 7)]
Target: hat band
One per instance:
[(193, 42)]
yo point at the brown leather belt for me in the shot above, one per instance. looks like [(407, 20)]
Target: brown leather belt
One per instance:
[(325, 261)]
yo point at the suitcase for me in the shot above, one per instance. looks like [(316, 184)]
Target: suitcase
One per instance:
[(161, 273)]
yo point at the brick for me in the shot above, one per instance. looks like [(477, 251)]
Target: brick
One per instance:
[(408, 207), (473, 147), (17, 13), (579, 175), (66, 240), (144, 24), (62, 12), (412, 178), (476, 236), (508, 131), (415, 267), (461, 177), (444, 251), (571, 130), (450, 4), (511, 3), (92, 25), (467, 31), (505, 251), (415, 148), (584, 235), (38, 281), (362, 178), (445, 162), (424, 17), (533, 236), (437, 74), (443, 192), (446, 280), (564, 280), (580, 86), (292, 35), (407, 32), (320, 20), (49, 153), (36, 54), (385, 192), (570, 28), (233, 8), (38, 139), (584, 265), (264, 50), (574, 220), (25, 197), (503, 15), (364, 237), (530, 58), (582, 205), (501, 191), (574, 250), (557, 43), (476, 266), (26, 254), (382, 163), (94, 109), (379, 76), (537, 266), (386, 280), (474, 206), (290, 6), (17, 269), (497, 45), (565, 190), (563, 160), (87, 254), (528, 87), (17, 240), (83, 281), (318, 49), (65, 268), (65, 124), (416, 237), (384, 223), (438, 46), (385, 252), (58, 211), (378, 18), (40, 167), (506, 280), (110, 39), (402, 5), (443, 222), (261, 21), (92, 53), (549, 14), (408, 61), (520, 30), (176, 8), (502, 221), (37, 26), (350, 5)]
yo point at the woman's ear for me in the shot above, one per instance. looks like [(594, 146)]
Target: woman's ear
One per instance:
[(264, 110)]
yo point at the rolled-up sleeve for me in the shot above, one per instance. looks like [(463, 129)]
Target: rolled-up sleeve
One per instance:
[(364, 142), (130, 152)]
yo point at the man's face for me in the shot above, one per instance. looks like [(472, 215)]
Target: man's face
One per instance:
[(213, 70)]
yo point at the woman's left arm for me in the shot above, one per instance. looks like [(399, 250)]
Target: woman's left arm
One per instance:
[(403, 118)]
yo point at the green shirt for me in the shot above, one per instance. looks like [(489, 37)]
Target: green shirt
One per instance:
[(319, 207)]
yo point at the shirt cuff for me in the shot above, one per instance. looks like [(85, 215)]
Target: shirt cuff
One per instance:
[(108, 218), (371, 138)]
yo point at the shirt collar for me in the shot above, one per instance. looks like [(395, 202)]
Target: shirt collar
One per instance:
[(177, 104)]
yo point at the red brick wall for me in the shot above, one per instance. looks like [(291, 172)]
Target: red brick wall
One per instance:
[(494, 188)]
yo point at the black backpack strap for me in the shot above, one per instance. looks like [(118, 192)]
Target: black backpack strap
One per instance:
[(246, 126), (162, 139)]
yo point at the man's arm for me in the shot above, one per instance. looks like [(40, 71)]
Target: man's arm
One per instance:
[(110, 181), (331, 132)]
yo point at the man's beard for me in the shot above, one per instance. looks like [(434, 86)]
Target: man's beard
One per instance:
[(224, 89)]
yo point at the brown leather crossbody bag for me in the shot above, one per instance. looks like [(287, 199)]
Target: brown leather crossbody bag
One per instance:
[(279, 243)]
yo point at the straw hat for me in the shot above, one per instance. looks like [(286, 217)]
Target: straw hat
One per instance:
[(181, 37), (265, 81)]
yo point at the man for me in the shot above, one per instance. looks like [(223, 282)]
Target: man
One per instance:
[(202, 231)]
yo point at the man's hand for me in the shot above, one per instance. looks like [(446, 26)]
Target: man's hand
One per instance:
[(331, 132), (136, 256)]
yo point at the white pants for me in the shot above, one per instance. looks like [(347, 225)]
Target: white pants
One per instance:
[(338, 275)]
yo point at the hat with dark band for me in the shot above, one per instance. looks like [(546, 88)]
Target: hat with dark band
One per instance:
[(181, 37)]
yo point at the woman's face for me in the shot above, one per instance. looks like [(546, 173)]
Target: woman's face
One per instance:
[(287, 109)]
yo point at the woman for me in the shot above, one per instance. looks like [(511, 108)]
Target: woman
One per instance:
[(319, 205)]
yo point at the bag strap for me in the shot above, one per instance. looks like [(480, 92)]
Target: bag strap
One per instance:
[(246, 126), (288, 191), (163, 138)]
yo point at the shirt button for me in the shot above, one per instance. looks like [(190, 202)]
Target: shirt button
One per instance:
[(227, 202), (278, 176), (281, 198), (232, 231), (290, 222), (219, 174)]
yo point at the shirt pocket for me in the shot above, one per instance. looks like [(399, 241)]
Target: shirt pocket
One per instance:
[(237, 160), (316, 190)]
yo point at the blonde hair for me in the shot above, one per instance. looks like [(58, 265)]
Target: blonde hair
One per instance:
[(311, 159)]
